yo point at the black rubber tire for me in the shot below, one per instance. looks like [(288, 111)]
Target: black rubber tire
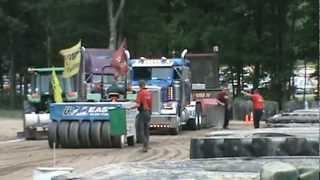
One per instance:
[(84, 134), (63, 134), (118, 141), (53, 134), (198, 118), (175, 131), (106, 135), (74, 134), (95, 134), (192, 124), (130, 141)]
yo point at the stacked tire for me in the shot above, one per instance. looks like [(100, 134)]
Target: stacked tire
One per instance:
[(83, 134)]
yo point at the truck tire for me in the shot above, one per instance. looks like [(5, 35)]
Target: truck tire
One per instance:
[(176, 130), (85, 134), (198, 118), (53, 134), (106, 135), (63, 130), (192, 124), (130, 141), (74, 134), (118, 141), (95, 133)]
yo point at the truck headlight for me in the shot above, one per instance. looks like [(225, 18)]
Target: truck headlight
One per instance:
[(167, 105)]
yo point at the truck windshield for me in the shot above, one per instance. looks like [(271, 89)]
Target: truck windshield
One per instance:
[(148, 73), (43, 83), (107, 79)]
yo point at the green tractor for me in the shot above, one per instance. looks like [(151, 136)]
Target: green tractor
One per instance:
[(36, 106)]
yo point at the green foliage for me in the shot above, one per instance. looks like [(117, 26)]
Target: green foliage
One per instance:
[(270, 35)]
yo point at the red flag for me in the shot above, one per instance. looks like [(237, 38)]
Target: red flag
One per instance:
[(119, 59)]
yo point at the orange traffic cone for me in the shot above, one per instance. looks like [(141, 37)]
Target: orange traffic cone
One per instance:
[(251, 118), (246, 119)]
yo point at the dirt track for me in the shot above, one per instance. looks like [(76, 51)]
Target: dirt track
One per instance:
[(19, 159)]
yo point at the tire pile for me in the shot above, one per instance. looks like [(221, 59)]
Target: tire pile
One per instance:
[(84, 134)]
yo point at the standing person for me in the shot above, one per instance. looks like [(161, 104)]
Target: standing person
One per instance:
[(223, 99), (258, 106), (144, 103)]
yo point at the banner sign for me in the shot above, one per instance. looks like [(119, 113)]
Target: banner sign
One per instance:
[(72, 59)]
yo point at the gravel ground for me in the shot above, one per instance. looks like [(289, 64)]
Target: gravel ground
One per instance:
[(19, 158)]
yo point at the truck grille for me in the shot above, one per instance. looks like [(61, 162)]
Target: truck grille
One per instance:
[(156, 100)]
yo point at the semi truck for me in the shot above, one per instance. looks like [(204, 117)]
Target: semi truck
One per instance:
[(169, 80), (93, 121), (99, 74), (182, 89), (205, 86)]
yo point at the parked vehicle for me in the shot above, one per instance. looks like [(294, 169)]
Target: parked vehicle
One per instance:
[(40, 95), (169, 80)]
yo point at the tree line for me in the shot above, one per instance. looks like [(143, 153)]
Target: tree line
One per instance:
[(270, 35)]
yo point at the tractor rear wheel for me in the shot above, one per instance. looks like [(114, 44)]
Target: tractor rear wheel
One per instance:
[(85, 134), (63, 130), (53, 134), (95, 133), (106, 135), (74, 134)]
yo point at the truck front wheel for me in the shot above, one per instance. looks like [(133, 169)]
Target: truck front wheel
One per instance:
[(176, 130), (198, 118)]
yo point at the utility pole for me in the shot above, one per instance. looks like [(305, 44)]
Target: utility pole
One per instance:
[(304, 86)]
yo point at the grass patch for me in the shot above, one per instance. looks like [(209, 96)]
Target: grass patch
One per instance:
[(12, 114)]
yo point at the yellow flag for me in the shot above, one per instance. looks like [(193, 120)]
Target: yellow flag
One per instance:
[(57, 90), (72, 58)]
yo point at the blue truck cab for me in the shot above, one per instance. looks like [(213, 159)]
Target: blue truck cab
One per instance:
[(169, 81)]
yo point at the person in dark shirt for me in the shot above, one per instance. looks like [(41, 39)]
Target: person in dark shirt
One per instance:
[(223, 99), (144, 103)]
